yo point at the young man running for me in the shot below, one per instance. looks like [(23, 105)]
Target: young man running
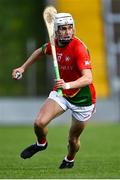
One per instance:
[(76, 83)]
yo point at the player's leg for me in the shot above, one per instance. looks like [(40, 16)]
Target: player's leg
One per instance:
[(75, 131), (80, 117), (48, 111), (73, 142)]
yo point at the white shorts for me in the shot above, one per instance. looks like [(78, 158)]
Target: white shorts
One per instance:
[(81, 113)]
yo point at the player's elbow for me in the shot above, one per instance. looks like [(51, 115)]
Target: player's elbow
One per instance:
[(87, 74), (89, 79)]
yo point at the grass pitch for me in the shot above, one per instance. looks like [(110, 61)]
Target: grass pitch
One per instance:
[(99, 156)]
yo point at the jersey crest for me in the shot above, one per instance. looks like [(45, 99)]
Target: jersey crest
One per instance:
[(67, 58)]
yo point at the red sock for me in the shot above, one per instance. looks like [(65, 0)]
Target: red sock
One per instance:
[(70, 157), (42, 141)]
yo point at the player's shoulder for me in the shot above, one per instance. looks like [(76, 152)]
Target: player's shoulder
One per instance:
[(79, 42), (46, 48)]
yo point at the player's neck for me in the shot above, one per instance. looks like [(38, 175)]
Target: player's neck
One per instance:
[(62, 44)]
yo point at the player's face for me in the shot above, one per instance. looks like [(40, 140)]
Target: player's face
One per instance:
[(65, 33)]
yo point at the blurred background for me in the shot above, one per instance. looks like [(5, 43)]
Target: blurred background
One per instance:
[(23, 30)]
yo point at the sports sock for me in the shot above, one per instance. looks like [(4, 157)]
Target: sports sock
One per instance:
[(41, 142), (69, 159)]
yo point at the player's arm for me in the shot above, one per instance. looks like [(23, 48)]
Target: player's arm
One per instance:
[(83, 81), (84, 65), (31, 60)]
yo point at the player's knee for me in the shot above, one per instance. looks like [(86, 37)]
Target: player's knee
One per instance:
[(39, 123)]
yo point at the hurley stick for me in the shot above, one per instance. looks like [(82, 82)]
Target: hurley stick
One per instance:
[(48, 15)]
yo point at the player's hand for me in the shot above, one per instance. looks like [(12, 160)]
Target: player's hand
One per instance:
[(17, 73), (62, 84)]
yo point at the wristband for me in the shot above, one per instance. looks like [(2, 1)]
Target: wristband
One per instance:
[(67, 85)]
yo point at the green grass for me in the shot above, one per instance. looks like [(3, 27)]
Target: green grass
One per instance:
[(99, 156)]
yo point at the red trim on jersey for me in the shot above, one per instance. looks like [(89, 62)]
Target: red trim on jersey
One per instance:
[(93, 93)]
